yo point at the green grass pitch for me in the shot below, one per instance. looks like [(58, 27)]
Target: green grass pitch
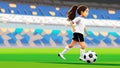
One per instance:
[(47, 58)]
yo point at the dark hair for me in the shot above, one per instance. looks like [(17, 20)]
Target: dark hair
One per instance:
[(72, 12)]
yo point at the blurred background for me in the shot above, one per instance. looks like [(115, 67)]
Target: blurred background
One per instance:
[(43, 23)]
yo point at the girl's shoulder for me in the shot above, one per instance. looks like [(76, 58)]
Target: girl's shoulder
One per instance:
[(79, 18)]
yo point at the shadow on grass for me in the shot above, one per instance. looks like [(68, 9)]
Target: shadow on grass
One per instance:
[(84, 63)]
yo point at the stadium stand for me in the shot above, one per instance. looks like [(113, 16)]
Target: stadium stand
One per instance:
[(27, 9), (18, 16), (53, 36)]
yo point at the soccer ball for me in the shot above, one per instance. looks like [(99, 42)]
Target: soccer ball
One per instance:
[(90, 56)]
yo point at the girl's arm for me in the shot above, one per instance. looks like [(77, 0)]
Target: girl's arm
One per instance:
[(85, 30), (72, 25)]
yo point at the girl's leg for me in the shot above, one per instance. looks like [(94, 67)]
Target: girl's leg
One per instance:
[(82, 50), (66, 49)]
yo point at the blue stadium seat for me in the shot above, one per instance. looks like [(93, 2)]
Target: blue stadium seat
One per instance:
[(69, 41), (38, 31), (12, 35), (63, 11), (108, 41), (69, 36), (113, 16), (113, 34), (4, 4), (57, 39), (46, 10), (37, 42), (12, 42), (24, 9), (21, 9), (25, 39), (69, 33), (104, 13), (91, 34), (46, 40), (39, 13), (100, 37), (18, 31), (13, 9), (96, 41), (117, 40), (1, 40), (55, 32), (6, 11), (87, 41), (91, 12), (13, 39)]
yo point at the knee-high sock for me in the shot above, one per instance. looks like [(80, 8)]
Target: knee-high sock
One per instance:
[(82, 52), (65, 50)]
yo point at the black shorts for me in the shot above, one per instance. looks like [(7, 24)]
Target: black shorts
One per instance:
[(78, 37)]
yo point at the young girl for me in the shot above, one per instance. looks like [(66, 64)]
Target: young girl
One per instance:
[(78, 28)]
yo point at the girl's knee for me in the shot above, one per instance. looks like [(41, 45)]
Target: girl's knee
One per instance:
[(82, 47), (70, 46)]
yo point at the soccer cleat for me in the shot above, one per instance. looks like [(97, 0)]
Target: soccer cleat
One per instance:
[(61, 56), (82, 59)]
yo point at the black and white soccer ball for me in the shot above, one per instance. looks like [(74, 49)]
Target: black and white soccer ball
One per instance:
[(90, 56)]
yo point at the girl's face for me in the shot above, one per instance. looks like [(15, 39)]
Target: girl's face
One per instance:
[(85, 13)]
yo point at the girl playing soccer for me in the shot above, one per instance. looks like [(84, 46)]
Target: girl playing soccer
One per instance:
[(78, 28)]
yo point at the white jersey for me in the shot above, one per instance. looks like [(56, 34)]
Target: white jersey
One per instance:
[(79, 24)]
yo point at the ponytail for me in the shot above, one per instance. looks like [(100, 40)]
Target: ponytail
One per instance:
[(72, 12)]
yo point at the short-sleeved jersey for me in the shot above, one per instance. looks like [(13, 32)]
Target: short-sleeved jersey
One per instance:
[(79, 24)]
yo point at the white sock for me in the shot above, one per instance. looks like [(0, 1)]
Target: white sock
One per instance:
[(82, 52), (65, 50)]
